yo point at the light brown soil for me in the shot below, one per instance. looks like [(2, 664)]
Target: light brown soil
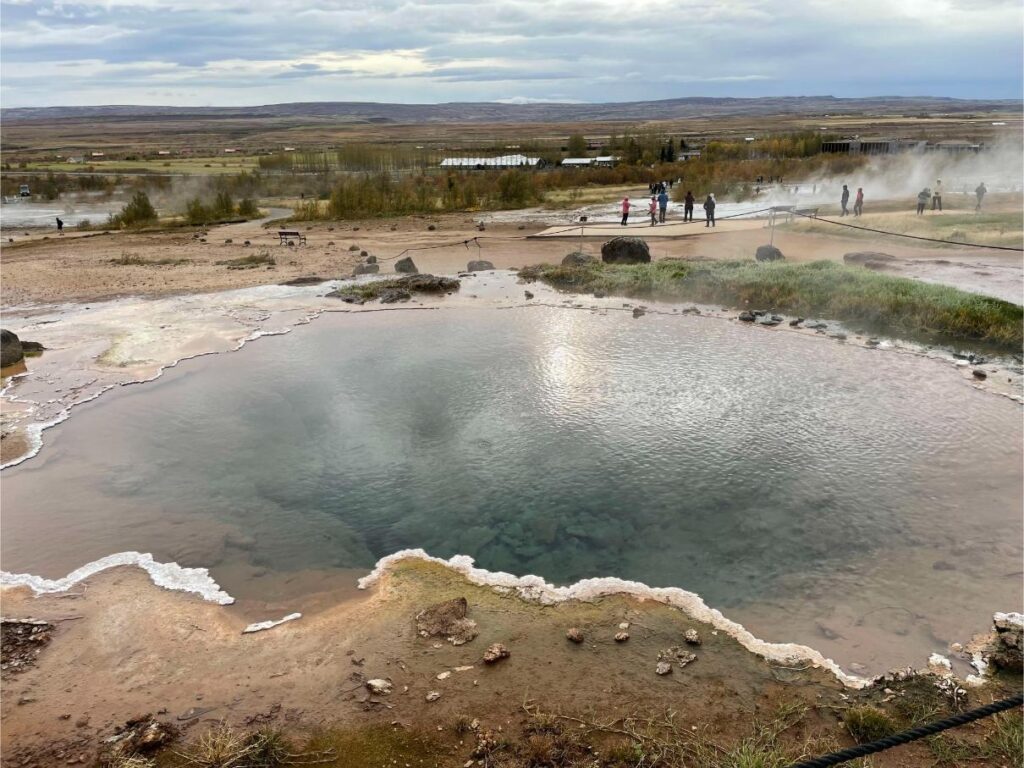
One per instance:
[(42, 268), (123, 647)]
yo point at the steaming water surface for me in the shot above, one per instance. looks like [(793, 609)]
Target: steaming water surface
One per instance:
[(798, 484)]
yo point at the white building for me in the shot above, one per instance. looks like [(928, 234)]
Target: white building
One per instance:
[(492, 163), (577, 162)]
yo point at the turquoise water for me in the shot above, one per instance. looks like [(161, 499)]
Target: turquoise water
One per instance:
[(742, 464)]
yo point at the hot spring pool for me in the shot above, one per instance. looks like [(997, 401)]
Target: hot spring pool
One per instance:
[(863, 502)]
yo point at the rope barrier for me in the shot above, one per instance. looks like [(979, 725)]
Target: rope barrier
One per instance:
[(902, 234), (913, 734)]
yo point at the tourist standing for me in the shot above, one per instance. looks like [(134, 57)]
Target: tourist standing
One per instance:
[(688, 202), (980, 192), (709, 211), (662, 206), (922, 199), (937, 195), (60, 226), (653, 210), (625, 210), (858, 202), (844, 201)]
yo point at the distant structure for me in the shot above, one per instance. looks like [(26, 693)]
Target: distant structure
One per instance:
[(492, 163), (578, 162), (606, 161), (858, 146)]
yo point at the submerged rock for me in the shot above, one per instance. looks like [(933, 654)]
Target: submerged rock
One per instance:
[(447, 620), (139, 736), (663, 668), (433, 696), (621, 637), (495, 653), (479, 266), (311, 280), (625, 250), (691, 637), (394, 295), (574, 635), (768, 253), (677, 655), (406, 265)]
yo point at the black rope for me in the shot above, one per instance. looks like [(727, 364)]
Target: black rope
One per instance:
[(905, 737), (901, 234)]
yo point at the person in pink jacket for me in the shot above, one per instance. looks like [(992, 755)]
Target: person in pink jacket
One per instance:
[(625, 210), (653, 210)]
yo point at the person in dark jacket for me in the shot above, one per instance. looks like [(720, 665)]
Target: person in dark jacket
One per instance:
[(60, 226), (688, 202), (844, 201), (980, 192), (709, 209), (922, 199)]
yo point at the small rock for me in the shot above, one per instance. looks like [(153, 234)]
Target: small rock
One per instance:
[(248, 243), (637, 312), (379, 686), (574, 635), (479, 265), (663, 668), (228, 241), (624, 625), (371, 259), (747, 317), (406, 265), (431, 228), (979, 374), (366, 269), (433, 696), (599, 294), (621, 637), (528, 295), (495, 652), (353, 247), (796, 322), (691, 637)]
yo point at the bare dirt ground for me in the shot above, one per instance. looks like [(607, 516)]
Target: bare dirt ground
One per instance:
[(41, 268), (123, 647)]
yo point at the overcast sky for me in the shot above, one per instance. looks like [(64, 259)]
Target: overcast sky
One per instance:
[(244, 52)]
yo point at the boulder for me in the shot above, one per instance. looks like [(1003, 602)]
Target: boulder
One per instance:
[(577, 259), (768, 253), (479, 266), (11, 351), (625, 250), (747, 317), (447, 620), (371, 259), (366, 269), (1008, 645), (406, 265), (379, 686)]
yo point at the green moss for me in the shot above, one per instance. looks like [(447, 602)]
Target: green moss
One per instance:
[(884, 303)]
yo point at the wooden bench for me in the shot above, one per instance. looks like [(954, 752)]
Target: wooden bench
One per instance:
[(291, 234)]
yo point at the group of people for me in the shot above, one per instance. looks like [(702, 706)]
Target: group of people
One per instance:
[(658, 206), (858, 202)]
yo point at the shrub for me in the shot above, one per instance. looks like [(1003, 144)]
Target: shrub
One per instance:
[(136, 213)]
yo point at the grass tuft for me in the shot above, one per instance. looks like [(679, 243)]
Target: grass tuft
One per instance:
[(134, 260), (883, 303), (869, 724), (260, 259)]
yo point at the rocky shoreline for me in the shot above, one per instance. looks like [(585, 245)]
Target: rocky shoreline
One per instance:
[(445, 668)]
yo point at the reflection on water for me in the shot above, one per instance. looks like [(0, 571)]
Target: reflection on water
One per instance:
[(754, 468)]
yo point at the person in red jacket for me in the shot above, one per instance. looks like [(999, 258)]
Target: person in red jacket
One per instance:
[(625, 210), (858, 202)]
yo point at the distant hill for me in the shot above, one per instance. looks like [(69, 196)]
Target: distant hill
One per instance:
[(494, 112)]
